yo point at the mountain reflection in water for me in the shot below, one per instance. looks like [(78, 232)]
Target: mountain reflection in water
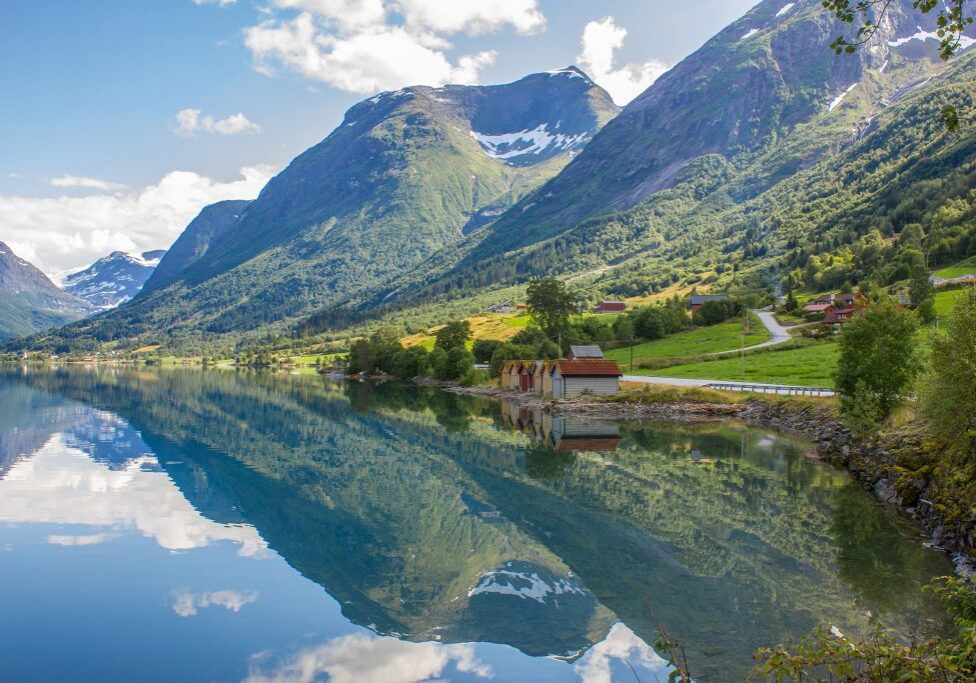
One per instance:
[(272, 527)]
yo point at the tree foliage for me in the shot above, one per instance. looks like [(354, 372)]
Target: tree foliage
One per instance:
[(948, 393), (551, 303), (879, 359)]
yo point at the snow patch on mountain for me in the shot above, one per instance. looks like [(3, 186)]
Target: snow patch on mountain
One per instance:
[(523, 585), (786, 8), (527, 142), (923, 35), (749, 34), (840, 98)]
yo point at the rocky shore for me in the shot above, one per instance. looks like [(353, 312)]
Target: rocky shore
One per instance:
[(874, 462)]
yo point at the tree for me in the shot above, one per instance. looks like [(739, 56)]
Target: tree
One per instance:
[(949, 391), (550, 304), (879, 359), (923, 293), (952, 22), (484, 349), (453, 334), (623, 328), (362, 357)]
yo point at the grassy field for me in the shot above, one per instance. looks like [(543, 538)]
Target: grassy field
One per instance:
[(963, 268), (807, 366), (724, 337), (945, 300)]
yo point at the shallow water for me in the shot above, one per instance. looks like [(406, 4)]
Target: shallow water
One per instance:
[(220, 526)]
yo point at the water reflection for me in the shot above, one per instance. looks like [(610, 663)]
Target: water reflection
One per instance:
[(437, 526)]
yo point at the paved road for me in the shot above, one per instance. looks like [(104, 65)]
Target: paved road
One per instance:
[(778, 334)]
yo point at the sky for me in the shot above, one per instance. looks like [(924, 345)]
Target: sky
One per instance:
[(123, 118)]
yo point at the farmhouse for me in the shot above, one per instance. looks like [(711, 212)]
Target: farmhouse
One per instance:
[(815, 308), (837, 316), (698, 300), (569, 378), (611, 307)]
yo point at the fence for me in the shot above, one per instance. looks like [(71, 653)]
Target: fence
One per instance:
[(771, 389)]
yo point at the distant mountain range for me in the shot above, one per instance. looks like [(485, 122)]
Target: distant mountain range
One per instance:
[(757, 150), (29, 301), (114, 279)]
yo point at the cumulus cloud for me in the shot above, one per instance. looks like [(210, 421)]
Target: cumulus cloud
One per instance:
[(85, 182), (188, 604), (472, 16), (600, 40), (363, 46), (219, 3), (58, 234), (361, 658), (192, 121)]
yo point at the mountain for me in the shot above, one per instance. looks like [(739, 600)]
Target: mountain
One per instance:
[(29, 301), (697, 168), (192, 245), (113, 279), (406, 173)]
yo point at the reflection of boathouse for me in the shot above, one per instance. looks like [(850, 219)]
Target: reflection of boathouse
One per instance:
[(561, 433)]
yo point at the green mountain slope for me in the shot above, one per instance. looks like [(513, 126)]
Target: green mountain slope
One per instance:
[(29, 301), (407, 173), (695, 176)]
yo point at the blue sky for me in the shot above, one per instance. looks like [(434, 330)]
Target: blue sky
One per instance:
[(92, 156)]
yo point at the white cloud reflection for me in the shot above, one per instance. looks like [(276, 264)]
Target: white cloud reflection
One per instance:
[(188, 604), (365, 658), (623, 645), (60, 484)]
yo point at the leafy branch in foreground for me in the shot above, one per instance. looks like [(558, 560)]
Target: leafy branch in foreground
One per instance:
[(951, 22), (882, 657)]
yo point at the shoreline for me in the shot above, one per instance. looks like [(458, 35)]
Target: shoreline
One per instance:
[(870, 461)]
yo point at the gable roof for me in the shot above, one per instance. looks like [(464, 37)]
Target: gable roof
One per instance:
[(588, 368), (817, 308), (586, 351)]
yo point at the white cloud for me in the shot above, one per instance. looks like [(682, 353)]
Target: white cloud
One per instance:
[(85, 182), (62, 233), (600, 40), (193, 121), (187, 604), (219, 3), (377, 58), (472, 16), (363, 46), (361, 658), (348, 14)]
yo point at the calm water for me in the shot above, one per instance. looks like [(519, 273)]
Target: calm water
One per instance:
[(191, 526)]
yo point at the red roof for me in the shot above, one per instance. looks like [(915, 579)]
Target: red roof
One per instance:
[(588, 368), (838, 316)]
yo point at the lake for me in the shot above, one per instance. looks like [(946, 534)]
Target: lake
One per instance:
[(242, 526)]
